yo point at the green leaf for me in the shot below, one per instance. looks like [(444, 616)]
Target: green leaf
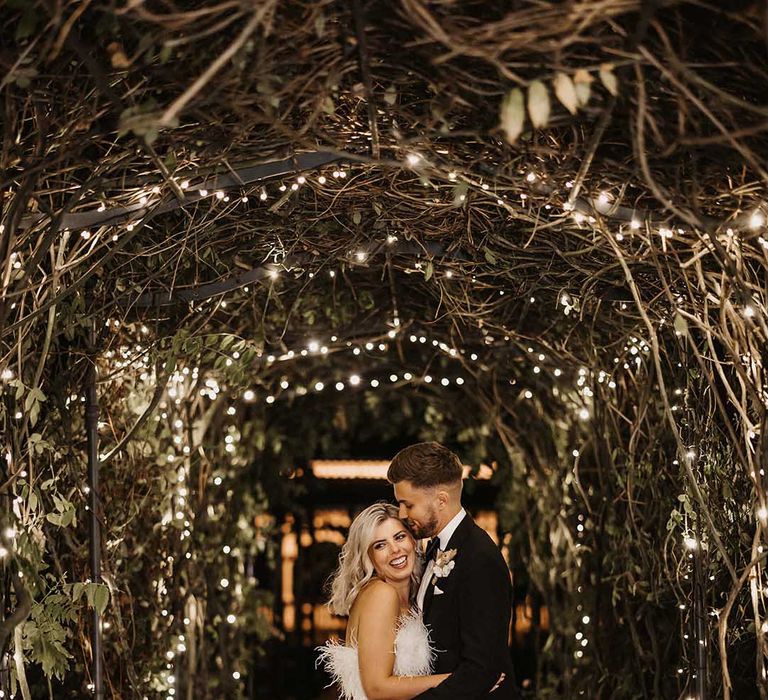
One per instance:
[(77, 591), (34, 396), (390, 95), (101, 598), (460, 193), (566, 92), (608, 79), (490, 257), (28, 22), (429, 271), (165, 53), (538, 104), (681, 325), (97, 595), (512, 115), (582, 82)]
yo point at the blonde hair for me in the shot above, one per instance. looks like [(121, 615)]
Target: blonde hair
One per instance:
[(355, 568)]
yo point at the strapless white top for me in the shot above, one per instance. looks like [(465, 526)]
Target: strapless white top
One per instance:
[(414, 656)]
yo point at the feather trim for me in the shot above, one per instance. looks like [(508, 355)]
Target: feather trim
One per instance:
[(414, 655), (340, 662)]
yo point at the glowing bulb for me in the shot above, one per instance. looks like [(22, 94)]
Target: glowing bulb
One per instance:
[(224, 583), (690, 543), (413, 159), (354, 380), (756, 220)]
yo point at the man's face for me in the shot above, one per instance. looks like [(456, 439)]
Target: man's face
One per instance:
[(419, 508)]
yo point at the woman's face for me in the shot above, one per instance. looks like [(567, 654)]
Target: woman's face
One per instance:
[(393, 551)]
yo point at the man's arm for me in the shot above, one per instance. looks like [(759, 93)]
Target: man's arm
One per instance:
[(483, 610)]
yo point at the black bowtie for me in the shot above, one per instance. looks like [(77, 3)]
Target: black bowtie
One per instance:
[(432, 546)]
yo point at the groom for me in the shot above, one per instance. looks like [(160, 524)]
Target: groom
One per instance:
[(465, 593)]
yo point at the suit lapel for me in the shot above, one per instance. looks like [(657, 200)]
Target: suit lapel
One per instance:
[(430, 593)]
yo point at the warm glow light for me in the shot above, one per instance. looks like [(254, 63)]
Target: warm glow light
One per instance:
[(371, 469)]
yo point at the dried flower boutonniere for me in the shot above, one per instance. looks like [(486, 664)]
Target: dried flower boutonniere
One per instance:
[(443, 564)]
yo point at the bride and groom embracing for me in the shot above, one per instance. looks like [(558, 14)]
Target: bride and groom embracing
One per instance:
[(431, 625)]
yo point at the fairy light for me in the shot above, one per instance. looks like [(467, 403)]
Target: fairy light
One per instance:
[(413, 159), (757, 219)]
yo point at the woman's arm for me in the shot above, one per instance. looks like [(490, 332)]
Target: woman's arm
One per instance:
[(379, 608)]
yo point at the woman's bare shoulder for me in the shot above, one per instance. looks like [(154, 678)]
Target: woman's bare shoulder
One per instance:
[(378, 595)]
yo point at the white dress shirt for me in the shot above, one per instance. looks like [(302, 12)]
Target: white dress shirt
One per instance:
[(444, 536)]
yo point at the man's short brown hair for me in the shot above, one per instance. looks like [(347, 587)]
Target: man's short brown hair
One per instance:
[(425, 464)]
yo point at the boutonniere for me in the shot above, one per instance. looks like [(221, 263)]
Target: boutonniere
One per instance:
[(443, 564)]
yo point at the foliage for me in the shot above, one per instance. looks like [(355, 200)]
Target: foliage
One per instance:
[(562, 205)]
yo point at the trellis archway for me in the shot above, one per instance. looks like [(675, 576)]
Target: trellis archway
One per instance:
[(567, 203)]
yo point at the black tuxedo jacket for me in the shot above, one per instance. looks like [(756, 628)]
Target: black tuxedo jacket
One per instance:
[(469, 620)]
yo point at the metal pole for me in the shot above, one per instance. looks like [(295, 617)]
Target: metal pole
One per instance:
[(700, 621), (92, 431)]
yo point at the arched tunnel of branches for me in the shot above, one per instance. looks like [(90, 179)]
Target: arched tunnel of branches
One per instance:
[(535, 232)]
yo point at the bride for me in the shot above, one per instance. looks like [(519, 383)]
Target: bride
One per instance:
[(387, 654)]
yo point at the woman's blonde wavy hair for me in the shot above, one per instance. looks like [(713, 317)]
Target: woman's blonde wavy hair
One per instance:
[(355, 568)]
